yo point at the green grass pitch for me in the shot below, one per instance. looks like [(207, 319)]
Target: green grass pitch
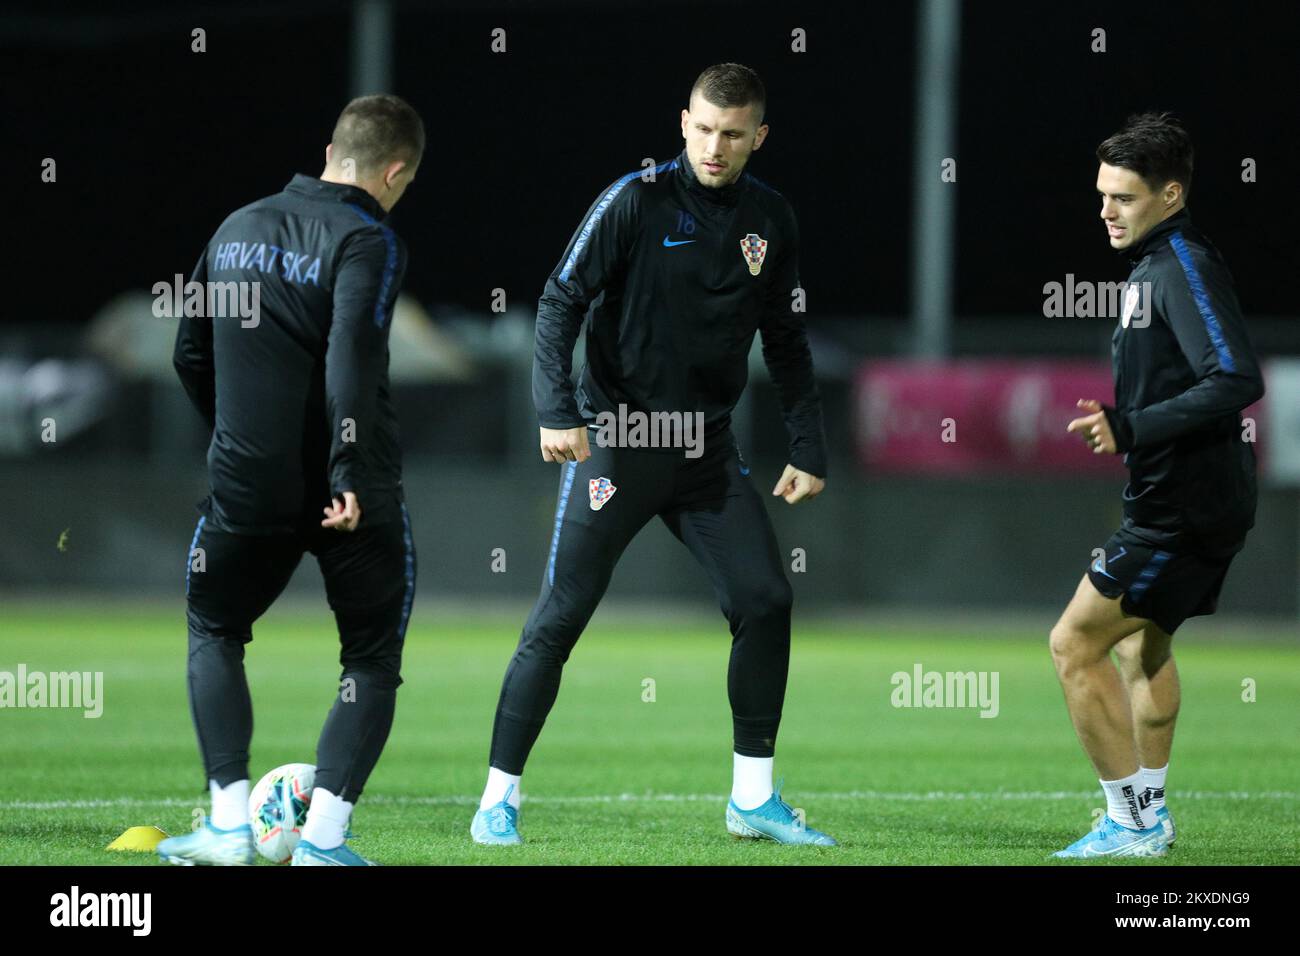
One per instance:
[(616, 779)]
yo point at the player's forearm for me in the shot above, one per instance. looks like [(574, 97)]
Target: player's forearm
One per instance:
[(192, 360), (1208, 401), (556, 334), (807, 435), (789, 363), (200, 384), (801, 408), (351, 397), (347, 470), (203, 395)]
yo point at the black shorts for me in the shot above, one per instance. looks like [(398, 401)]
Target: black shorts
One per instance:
[(232, 579), (1166, 587)]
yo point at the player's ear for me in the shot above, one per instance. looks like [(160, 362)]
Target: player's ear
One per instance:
[(760, 136), (329, 152), (394, 170), (686, 118)]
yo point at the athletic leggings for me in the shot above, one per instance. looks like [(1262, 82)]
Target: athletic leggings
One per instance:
[(370, 582), (712, 507)]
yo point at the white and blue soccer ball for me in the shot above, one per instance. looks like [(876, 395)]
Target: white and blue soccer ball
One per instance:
[(277, 809)]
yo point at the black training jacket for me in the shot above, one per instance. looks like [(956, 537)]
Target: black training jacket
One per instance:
[(298, 398), (1183, 373), (673, 279)]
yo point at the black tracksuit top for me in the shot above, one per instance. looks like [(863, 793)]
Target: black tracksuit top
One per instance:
[(1183, 373), (299, 403), (672, 279)]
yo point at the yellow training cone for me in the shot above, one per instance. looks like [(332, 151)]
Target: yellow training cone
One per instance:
[(139, 839)]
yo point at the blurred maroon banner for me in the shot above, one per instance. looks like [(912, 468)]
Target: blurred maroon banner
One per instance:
[(978, 417), (989, 417)]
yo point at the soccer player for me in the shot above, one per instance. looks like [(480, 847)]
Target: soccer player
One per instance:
[(672, 271), (302, 425), (1184, 369)]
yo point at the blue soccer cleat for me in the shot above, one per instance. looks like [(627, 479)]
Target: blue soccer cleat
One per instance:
[(498, 825), (774, 820), (211, 847), (309, 854), (1111, 839), (1167, 822)]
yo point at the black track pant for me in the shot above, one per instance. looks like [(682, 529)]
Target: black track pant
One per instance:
[(712, 507), (231, 581)]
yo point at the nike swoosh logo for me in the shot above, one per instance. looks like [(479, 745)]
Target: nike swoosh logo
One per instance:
[(1096, 565), (681, 242)]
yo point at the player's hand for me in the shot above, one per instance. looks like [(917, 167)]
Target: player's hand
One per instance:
[(1094, 429), (345, 515), (565, 444), (796, 485)]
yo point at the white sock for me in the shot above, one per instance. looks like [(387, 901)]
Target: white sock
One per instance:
[(1123, 804), (229, 804), (498, 783), (1155, 782), (327, 819), (751, 781)]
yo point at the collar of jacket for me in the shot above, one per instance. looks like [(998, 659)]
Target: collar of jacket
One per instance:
[(336, 192), (1178, 220), (723, 196)]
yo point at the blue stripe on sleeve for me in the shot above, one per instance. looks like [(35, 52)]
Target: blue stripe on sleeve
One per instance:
[(390, 263), (598, 213), (1203, 305)]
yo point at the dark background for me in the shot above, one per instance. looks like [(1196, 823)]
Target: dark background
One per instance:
[(155, 144)]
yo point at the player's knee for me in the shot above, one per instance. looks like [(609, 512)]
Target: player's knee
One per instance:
[(549, 642), (772, 601), (223, 638), (1070, 648), (378, 661), (554, 627), (383, 673)]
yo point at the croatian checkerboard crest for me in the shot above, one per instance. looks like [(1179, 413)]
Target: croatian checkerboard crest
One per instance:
[(602, 489), (754, 249)]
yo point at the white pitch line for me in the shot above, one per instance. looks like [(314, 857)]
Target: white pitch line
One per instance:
[(937, 796)]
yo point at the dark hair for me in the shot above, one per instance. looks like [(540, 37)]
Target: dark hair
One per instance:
[(731, 84), (1153, 145), (377, 130)]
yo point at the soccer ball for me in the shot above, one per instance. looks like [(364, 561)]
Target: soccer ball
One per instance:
[(277, 809)]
